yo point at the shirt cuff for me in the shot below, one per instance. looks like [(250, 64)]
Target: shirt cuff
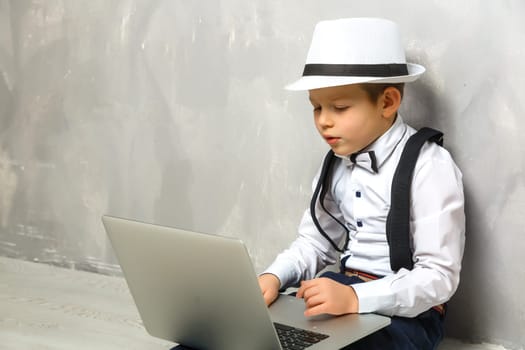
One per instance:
[(375, 296), (284, 272)]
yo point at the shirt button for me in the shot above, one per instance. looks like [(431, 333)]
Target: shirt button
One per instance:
[(359, 223), (358, 194)]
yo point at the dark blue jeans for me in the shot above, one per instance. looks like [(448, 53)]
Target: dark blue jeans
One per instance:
[(423, 332)]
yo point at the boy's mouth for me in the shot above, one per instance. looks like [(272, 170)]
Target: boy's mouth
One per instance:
[(331, 139)]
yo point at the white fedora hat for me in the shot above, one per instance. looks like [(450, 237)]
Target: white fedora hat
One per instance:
[(355, 50)]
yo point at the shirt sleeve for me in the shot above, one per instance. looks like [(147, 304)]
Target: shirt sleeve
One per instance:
[(438, 236), (310, 252)]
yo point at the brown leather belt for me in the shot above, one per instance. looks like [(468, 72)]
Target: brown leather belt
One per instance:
[(367, 277), (362, 275)]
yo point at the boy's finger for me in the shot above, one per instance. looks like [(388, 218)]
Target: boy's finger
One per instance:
[(268, 298), (314, 301), (315, 310), (308, 292), (300, 291), (305, 285)]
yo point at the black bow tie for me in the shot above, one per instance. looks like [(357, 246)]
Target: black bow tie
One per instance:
[(365, 160)]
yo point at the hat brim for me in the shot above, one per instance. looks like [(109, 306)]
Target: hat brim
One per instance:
[(317, 81)]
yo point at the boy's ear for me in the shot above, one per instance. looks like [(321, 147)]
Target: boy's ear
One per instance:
[(391, 101)]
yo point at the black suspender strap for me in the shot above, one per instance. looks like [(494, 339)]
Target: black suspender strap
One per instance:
[(323, 184), (398, 220)]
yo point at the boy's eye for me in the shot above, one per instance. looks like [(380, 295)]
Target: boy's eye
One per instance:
[(341, 108), (317, 108)]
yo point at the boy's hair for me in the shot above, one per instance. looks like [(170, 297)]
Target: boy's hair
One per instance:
[(375, 90)]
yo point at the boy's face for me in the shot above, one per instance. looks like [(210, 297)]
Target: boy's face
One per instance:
[(347, 119)]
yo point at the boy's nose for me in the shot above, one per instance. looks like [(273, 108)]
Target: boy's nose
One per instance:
[(325, 120)]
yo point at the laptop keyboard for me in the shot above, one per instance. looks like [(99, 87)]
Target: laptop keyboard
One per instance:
[(292, 338)]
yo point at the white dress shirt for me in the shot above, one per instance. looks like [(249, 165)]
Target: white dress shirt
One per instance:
[(360, 198)]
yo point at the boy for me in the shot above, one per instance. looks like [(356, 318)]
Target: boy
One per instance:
[(355, 73)]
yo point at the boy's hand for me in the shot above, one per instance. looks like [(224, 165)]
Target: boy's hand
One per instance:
[(270, 285), (326, 296)]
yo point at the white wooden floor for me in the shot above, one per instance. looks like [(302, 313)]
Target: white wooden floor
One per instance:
[(45, 307)]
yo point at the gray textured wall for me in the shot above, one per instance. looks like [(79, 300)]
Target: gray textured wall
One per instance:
[(173, 112)]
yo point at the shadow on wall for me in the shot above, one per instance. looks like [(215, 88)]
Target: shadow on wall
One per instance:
[(462, 312), (423, 107), (465, 316)]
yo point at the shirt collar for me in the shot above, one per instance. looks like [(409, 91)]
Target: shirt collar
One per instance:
[(382, 148)]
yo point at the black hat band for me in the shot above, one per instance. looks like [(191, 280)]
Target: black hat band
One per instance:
[(356, 70)]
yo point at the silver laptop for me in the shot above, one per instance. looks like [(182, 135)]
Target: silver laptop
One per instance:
[(201, 291)]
